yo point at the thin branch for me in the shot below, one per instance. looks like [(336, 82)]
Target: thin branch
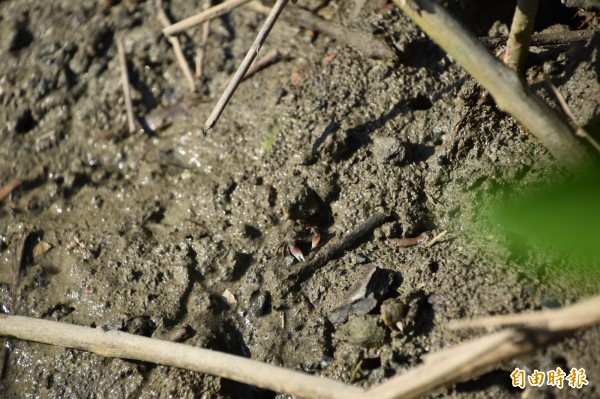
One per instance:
[(201, 49), (243, 68), (368, 45), (185, 68), (581, 132), (546, 39), (129, 346), (519, 37), (435, 239), (472, 358), (9, 188), (572, 317), (211, 13), (125, 83), (260, 63), (504, 85)]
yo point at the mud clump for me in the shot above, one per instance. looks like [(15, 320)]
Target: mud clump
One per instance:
[(365, 331)]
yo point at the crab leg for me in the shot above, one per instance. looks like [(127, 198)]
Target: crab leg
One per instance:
[(296, 252), (315, 238)]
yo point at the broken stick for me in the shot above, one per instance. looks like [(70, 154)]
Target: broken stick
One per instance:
[(211, 13), (185, 68), (125, 83), (366, 44), (243, 68), (201, 49)]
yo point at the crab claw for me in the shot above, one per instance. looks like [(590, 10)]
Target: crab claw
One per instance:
[(315, 238), (297, 253)]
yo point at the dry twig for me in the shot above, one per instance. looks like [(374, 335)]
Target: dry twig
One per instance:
[(9, 188), (546, 39), (201, 49), (260, 63), (125, 82), (129, 346), (368, 45), (435, 239), (519, 37), (185, 68), (581, 132), (503, 84), (207, 15), (243, 68), (569, 318)]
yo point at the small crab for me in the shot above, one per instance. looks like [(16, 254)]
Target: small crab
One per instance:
[(302, 240)]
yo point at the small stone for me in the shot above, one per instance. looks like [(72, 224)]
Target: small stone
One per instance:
[(260, 303), (229, 297), (389, 150)]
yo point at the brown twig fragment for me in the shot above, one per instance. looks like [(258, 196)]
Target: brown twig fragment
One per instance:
[(581, 132), (260, 63), (243, 68), (368, 45), (435, 239), (471, 358), (211, 13), (185, 68), (505, 86), (546, 39), (125, 83), (201, 49), (404, 242), (9, 188), (129, 346), (519, 37)]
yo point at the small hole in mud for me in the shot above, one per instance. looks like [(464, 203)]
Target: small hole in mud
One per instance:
[(434, 267), (25, 122), (561, 362), (420, 103), (251, 231), (160, 277), (21, 39), (371, 363), (49, 381), (136, 275), (152, 297)]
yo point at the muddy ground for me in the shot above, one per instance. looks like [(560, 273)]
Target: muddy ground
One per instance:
[(149, 230)]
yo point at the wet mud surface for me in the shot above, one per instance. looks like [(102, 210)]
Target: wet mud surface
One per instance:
[(173, 234)]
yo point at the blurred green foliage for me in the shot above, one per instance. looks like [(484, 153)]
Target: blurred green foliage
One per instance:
[(562, 220)]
